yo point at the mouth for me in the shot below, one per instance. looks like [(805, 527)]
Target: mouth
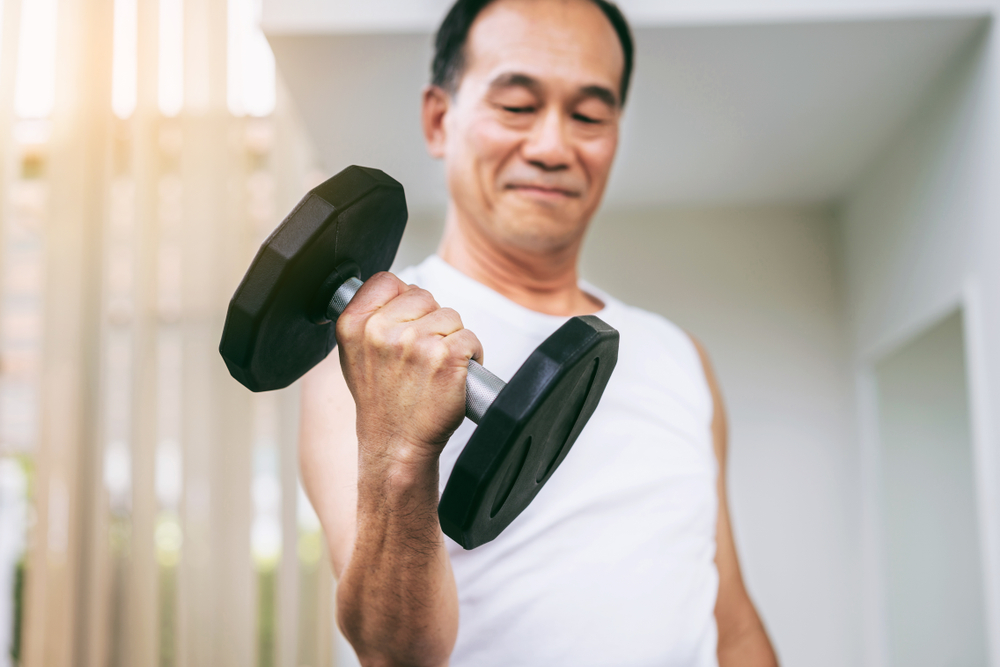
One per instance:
[(539, 190)]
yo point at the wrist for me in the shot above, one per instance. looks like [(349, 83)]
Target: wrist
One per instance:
[(398, 496), (398, 461)]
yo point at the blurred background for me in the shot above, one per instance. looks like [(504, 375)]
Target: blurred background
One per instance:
[(810, 186)]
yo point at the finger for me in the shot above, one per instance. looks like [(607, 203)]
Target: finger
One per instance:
[(441, 322), (375, 293), (466, 344), (412, 304)]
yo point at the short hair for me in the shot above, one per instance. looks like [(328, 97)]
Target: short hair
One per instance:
[(449, 43)]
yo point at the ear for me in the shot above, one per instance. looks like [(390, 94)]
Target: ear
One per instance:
[(436, 102)]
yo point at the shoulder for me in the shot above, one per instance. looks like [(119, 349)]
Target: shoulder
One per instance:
[(658, 356), (654, 337), (719, 417), (705, 360), (688, 355)]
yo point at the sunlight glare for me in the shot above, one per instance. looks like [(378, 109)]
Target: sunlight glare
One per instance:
[(250, 79), (171, 90), (125, 63), (34, 91)]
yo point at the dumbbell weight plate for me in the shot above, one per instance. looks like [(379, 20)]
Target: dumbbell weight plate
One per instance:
[(528, 430), (274, 329)]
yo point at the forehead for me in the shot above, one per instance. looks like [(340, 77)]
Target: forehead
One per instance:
[(568, 42)]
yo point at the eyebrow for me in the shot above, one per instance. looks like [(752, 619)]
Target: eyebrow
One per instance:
[(519, 80), (600, 92)]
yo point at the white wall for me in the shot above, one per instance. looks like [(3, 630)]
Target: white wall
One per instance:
[(934, 583), (921, 236), (758, 287)]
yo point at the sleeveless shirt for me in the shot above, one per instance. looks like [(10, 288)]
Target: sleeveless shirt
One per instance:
[(612, 564)]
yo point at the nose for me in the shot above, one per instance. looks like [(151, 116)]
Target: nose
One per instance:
[(547, 146)]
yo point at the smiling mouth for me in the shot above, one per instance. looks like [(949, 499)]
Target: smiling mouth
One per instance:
[(543, 190)]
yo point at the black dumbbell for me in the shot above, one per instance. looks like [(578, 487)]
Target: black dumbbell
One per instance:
[(280, 324)]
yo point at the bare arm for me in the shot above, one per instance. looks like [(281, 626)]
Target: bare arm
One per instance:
[(328, 456), (743, 641), (372, 471)]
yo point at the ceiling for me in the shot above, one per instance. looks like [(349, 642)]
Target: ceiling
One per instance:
[(423, 16), (739, 113)]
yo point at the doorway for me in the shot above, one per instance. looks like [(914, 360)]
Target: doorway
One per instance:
[(933, 582)]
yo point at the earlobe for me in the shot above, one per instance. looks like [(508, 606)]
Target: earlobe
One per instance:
[(433, 112)]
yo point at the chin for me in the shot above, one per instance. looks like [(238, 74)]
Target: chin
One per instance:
[(539, 233)]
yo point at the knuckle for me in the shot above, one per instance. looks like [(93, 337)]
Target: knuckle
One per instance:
[(381, 286), (442, 352), (376, 334), (470, 342), (426, 298), (407, 338), (346, 325), (451, 315), (438, 355), (381, 277), (466, 337)]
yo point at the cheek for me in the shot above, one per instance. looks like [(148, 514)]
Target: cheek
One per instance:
[(598, 154), (489, 141)]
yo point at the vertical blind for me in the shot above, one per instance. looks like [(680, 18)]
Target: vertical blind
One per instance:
[(150, 511)]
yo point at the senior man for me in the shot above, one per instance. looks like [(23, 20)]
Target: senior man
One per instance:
[(626, 557)]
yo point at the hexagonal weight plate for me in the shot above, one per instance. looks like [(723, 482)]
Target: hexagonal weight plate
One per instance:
[(528, 430), (273, 334)]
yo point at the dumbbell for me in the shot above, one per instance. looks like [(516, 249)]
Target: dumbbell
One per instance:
[(280, 324)]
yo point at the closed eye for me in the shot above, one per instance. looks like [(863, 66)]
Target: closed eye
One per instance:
[(586, 119), (519, 109)]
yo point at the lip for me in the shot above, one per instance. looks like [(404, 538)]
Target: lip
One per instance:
[(544, 191)]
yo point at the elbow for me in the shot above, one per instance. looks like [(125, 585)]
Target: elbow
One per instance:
[(381, 640)]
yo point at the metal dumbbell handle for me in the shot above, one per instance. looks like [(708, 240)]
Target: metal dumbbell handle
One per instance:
[(481, 386)]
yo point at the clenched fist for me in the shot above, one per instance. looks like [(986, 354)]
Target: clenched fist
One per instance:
[(405, 359)]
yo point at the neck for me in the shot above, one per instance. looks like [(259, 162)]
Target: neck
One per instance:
[(545, 282)]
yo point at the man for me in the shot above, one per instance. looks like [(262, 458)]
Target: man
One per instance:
[(626, 557)]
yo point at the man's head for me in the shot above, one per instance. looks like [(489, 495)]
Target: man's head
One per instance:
[(524, 108), (449, 43)]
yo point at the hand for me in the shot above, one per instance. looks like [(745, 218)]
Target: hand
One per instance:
[(405, 360)]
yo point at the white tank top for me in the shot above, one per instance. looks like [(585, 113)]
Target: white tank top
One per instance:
[(612, 564)]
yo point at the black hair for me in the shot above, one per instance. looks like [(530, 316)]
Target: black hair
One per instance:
[(449, 43)]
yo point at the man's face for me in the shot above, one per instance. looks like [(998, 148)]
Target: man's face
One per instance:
[(529, 137)]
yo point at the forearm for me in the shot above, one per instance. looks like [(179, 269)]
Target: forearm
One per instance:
[(745, 643), (396, 601)]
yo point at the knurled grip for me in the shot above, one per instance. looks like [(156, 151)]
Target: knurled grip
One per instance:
[(481, 386), (342, 297)]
